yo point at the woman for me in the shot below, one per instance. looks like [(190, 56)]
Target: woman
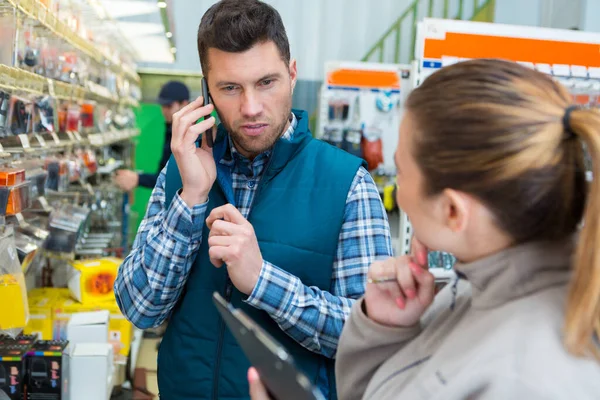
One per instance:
[(491, 169)]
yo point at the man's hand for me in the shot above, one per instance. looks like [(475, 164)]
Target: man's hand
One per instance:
[(127, 180), (232, 241), (196, 164)]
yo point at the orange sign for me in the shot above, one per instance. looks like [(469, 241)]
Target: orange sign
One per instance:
[(364, 78), (465, 45)]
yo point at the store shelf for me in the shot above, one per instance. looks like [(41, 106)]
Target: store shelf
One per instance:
[(17, 79), (36, 10), (108, 138), (110, 168), (35, 144)]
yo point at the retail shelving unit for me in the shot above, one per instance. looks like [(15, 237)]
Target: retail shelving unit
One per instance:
[(571, 57), (68, 87)]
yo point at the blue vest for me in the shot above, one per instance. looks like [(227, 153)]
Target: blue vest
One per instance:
[(297, 214)]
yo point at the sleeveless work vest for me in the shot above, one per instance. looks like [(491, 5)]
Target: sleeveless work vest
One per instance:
[(297, 215)]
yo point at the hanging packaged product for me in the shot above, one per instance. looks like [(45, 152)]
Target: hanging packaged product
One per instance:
[(65, 224), (372, 149), (58, 174), (7, 33), (4, 109), (14, 191), (351, 143), (87, 116), (74, 118), (13, 290), (19, 198)]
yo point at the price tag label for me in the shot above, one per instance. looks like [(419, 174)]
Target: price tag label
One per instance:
[(579, 71), (41, 140), (24, 141), (55, 138), (77, 136), (70, 135), (544, 68), (51, 90), (561, 70)]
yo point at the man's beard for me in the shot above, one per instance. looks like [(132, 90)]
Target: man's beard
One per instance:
[(251, 147)]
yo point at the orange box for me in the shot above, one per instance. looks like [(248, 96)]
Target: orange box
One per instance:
[(11, 176)]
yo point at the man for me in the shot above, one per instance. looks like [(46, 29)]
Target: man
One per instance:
[(173, 97), (283, 226)]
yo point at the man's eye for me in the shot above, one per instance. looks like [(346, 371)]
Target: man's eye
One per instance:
[(267, 82), (229, 88)]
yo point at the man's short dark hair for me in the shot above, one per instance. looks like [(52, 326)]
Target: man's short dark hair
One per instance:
[(235, 26)]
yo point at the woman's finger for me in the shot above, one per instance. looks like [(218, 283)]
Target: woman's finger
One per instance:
[(258, 391), (426, 282), (419, 251), (405, 278)]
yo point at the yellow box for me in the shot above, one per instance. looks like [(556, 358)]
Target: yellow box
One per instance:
[(12, 292), (41, 304), (120, 331), (92, 281)]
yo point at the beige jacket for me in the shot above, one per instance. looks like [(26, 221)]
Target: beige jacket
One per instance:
[(500, 340)]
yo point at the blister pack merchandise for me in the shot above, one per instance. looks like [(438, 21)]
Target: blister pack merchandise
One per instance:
[(14, 313)]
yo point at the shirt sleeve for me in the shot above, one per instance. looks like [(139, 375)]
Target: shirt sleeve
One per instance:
[(148, 180), (314, 317), (152, 276)]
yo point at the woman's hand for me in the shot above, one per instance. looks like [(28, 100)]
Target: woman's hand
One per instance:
[(258, 391), (401, 302)]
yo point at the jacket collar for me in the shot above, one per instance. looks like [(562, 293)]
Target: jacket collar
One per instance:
[(517, 272), (283, 151)]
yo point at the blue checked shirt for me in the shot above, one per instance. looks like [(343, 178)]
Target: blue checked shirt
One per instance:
[(153, 275)]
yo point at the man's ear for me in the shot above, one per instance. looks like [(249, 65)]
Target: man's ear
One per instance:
[(293, 73), (457, 208)]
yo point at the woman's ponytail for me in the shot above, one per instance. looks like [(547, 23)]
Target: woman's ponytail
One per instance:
[(582, 324)]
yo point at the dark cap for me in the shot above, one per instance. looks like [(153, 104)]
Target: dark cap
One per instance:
[(172, 92)]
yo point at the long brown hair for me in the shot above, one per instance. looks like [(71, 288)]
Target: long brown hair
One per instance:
[(497, 130)]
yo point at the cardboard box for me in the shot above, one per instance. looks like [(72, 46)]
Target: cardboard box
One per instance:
[(92, 281), (47, 370), (86, 357), (12, 368), (88, 327), (120, 331), (41, 304)]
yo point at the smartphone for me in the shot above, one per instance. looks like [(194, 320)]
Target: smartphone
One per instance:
[(274, 364), (207, 101)]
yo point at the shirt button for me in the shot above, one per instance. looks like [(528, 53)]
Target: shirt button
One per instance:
[(250, 184)]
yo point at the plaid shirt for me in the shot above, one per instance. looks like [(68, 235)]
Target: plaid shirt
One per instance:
[(152, 277)]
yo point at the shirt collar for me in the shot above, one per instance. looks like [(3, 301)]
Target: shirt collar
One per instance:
[(235, 156)]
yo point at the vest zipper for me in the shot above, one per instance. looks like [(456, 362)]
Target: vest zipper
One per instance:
[(228, 291)]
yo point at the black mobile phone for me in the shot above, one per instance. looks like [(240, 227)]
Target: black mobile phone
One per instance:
[(207, 100), (274, 364)]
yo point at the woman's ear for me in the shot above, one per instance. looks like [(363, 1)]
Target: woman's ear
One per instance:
[(456, 208)]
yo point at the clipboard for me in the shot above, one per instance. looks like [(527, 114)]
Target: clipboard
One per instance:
[(274, 364)]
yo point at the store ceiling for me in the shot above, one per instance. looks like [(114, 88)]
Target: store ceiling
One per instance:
[(141, 23)]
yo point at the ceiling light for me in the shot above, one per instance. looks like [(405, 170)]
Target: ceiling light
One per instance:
[(162, 4), (169, 35)]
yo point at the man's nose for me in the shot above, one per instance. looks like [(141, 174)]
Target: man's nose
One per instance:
[(251, 104)]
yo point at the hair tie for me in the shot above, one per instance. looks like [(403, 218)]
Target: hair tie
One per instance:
[(569, 134)]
